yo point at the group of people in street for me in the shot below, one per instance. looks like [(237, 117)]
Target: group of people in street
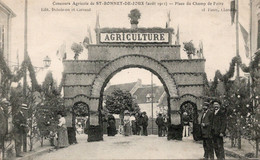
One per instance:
[(139, 123), (213, 127), (162, 123), (132, 124)]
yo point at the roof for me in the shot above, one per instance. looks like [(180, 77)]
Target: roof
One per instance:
[(124, 87), (7, 9), (141, 93), (164, 101)]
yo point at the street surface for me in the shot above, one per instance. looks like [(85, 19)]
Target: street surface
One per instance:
[(132, 147)]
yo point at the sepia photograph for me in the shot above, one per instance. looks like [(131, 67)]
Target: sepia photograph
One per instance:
[(129, 79)]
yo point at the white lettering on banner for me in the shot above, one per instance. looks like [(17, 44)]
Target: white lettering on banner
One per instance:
[(134, 37)]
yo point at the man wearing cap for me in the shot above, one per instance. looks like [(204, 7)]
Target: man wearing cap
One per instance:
[(206, 126), (20, 127), (218, 129)]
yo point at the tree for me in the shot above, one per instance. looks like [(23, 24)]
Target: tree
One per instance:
[(46, 114), (77, 49), (189, 48), (134, 16), (119, 101)]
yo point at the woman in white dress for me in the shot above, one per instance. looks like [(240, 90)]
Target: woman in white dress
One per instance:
[(62, 132)]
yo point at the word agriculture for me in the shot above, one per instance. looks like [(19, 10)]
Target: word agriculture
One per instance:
[(134, 37)]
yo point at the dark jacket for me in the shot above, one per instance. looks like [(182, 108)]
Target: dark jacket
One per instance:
[(219, 124), (208, 121), (159, 121), (145, 120), (185, 119), (19, 122)]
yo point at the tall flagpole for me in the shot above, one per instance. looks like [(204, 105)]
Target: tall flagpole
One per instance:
[(237, 38), (250, 32), (25, 71), (152, 99)]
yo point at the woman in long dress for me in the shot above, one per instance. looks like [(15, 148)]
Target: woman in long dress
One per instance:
[(127, 128), (62, 133)]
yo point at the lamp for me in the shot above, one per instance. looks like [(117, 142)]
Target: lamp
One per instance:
[(47, 61)]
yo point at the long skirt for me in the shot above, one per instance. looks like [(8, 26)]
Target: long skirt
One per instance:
[(62, 137), (127, 129)]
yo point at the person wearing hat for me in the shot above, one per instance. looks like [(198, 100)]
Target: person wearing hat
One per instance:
[(127, 128), (219, 126), (159, 121), (20, 129), (206, 126)]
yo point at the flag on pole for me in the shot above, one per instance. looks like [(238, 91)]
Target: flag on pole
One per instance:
[(168, 19), (61, 52), (177, 42), (245, 37), (232, 11), (89, 35), (97, 22)]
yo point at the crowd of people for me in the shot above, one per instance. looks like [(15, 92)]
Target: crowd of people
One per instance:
[(213, 126), (132, 124)]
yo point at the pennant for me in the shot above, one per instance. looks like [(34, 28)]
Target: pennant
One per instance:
[(177, 42), (89, 35), (245, 37), (232, 11), (201, 50), (168, 19), (97, 22)]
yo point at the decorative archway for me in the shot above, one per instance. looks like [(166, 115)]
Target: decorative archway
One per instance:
[(124, 62), (130, 61)]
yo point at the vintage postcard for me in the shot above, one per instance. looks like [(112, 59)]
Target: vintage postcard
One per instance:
[(129, 79)]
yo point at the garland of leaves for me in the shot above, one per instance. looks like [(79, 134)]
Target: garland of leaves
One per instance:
[(226, 77), (26, 64)]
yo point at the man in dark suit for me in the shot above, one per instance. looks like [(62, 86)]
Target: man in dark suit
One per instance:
[(218, 129), (145, 124), (159, 121), (206, 126), (20, 129)]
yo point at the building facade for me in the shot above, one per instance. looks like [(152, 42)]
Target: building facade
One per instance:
[(6, 15), (255, 25)]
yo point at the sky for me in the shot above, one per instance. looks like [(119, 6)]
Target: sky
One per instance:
[(47, 31)]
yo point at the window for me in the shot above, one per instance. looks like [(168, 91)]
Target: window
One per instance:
[(149, 97)]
